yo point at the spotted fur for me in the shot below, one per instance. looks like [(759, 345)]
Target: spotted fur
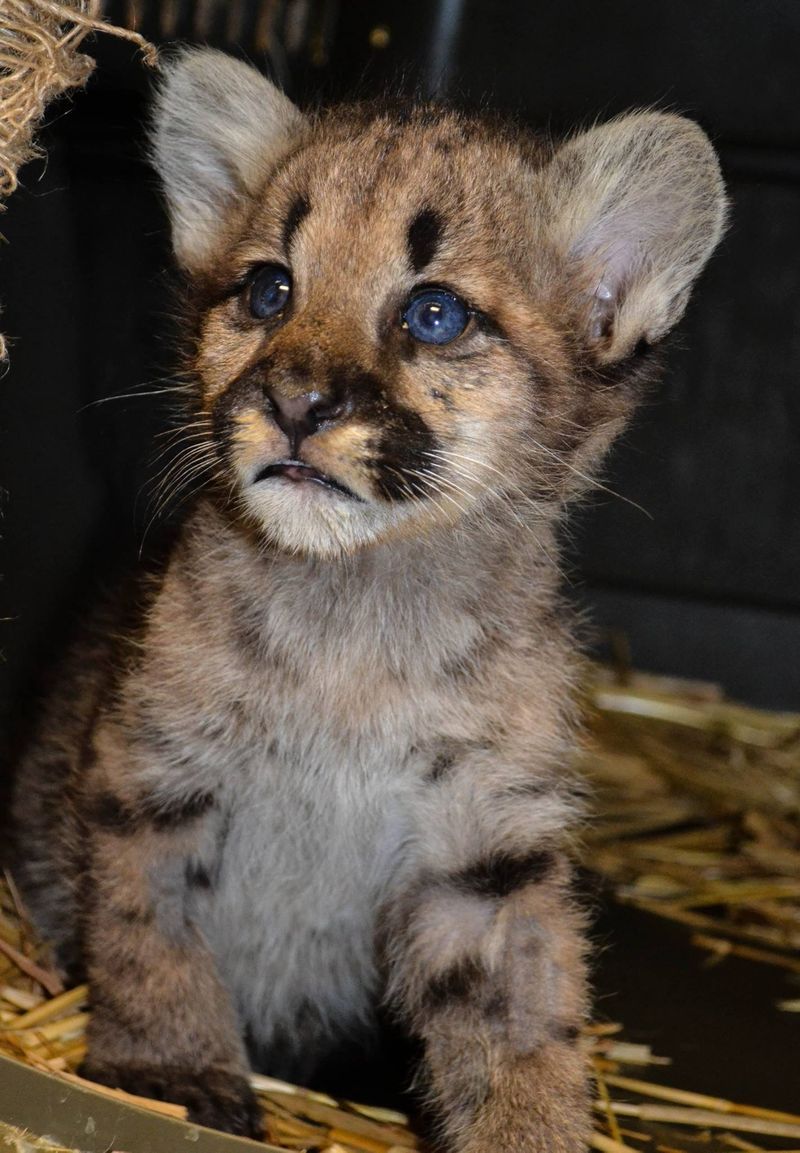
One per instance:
[(327, 773)]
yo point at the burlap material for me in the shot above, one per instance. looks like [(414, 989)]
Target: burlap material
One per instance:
[(39, 60)]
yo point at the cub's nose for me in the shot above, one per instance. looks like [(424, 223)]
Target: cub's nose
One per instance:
[(300, 416)]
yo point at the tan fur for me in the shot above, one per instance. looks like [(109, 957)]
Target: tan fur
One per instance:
[(327, 769)]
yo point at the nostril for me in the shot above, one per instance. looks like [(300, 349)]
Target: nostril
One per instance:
[(300, 416), (328, 409)]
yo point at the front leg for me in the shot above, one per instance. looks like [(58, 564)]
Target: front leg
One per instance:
[(486, 964), (162, 1024)]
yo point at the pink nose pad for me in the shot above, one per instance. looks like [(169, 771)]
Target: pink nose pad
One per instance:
[(295, 409), (296, 416), (300, 416)]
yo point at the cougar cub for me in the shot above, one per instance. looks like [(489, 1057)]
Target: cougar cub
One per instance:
[(327, 771)]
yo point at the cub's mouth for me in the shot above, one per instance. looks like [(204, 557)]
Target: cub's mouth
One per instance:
[(297, 472)]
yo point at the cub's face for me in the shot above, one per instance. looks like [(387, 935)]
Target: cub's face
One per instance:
[(405, 322), (373, 356)]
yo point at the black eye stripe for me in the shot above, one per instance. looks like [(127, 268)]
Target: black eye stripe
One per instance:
[(424, 238), (297, 214)]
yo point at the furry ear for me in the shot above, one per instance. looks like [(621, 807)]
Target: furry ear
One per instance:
[(219, 126), (637, 206)]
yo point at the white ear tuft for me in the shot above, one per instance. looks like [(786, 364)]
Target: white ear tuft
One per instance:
[(637, 206), (219, 126)]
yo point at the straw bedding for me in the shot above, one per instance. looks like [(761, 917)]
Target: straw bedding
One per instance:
[(698, 812), (697, 819)]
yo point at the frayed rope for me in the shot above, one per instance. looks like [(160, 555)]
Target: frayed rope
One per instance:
[(39, 60)]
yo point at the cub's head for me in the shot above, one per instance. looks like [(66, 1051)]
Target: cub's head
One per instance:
[(402, 321)]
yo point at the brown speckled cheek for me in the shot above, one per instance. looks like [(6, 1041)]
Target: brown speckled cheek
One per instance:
[(475, 406), (225, 350), (345, 451), (252, 439)]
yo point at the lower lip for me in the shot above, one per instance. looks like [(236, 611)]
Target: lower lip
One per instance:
[(298, 474)]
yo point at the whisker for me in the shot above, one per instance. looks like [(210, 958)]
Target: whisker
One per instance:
[(191, 439), (504, 496), (135, 395), (591, 482), (416, 494), (430, 479), (188, 455), (201, 471), (450, 459)]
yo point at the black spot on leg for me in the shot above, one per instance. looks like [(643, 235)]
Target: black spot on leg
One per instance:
[(564, 1032), (174, 813), (198, 876), (424, 237), (441, 765), (297, 214), (110, 814), (463, 981), (130, 915), (123, 818), (502, 873)]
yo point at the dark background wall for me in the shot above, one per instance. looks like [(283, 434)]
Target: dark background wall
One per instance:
[(696, 563)]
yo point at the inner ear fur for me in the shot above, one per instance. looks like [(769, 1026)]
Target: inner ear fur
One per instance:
[(219, 127), (635, 207)]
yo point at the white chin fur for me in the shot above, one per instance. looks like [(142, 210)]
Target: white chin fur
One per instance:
[(317, 522)]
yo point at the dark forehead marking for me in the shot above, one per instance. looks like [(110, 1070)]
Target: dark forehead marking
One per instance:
[(297, 214), (424, 236)]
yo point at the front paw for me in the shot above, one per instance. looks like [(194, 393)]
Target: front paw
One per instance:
[(213, 1097)]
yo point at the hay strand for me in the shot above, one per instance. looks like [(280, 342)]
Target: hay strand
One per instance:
[(49, 981), (704, 1119)]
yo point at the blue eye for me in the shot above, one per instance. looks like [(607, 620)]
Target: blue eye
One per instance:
[(270, 290), (435, 316)]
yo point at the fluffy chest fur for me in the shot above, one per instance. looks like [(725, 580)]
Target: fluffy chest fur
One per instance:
[(302, 864), (314, 707)]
